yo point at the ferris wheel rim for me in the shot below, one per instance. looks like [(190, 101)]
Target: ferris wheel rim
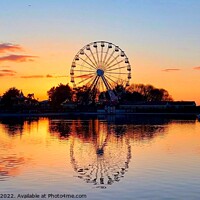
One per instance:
[(101, 63), (99, 41)]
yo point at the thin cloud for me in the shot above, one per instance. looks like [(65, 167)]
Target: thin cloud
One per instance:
[(33, 76), (49, 76), (84, 76), (196, 68), (170, 70), (42, 76), (55, 76), (6, 74), (8, 71), (4, 47), (17, 58)]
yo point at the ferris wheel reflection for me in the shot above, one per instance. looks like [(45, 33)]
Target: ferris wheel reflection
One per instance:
[(100, 148), (103, 158)]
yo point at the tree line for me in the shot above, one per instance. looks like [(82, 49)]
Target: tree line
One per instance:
[(85, 96)]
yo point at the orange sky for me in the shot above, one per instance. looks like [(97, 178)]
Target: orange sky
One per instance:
[(160, 40), (49, 68)]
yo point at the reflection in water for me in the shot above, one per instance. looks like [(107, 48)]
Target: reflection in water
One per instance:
[(61, 128), (9, 166), (14, 126), (11, 151), (146, 132), (100, 150), (102, 159)]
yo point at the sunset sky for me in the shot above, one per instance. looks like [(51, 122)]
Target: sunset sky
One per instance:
[(39, 39)]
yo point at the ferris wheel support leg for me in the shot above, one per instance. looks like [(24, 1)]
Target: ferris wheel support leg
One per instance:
[(112, 95), (94, 83)]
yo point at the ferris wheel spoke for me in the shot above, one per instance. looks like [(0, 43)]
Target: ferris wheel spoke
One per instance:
[(101, 54), (116, 73), (76, 70), (106, 54), (117, 78), (85, 66), (97, 55), (82, 81), (116, 68), (116, 64), (93, 57), (103, 86), (106, 61), (96, 86), (110, 85), (89, 82), (85, 75), (99, 85), (110, 79), (94, 82), (112, 61), (87, 63), (91, 61), (106, 83)]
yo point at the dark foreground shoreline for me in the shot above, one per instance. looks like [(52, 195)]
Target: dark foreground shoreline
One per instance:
[(52, 114)]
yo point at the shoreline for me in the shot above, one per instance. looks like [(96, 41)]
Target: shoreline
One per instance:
[(91, 113)]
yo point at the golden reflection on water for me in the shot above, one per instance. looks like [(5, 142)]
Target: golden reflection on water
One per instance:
[(98, 152)]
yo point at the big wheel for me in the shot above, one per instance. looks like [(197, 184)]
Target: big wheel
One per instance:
[(100, 65)]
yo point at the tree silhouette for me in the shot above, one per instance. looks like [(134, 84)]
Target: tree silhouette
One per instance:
[(30, 96), (104, 96), (120, 92), (137, 92), (149, 92), (59, 94), (84, 95), (11, 97), (134, 96)]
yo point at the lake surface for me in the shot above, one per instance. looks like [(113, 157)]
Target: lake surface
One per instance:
[(102, 157)]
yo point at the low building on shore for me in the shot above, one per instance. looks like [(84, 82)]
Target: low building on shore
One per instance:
[(70, 106), (161, 106)]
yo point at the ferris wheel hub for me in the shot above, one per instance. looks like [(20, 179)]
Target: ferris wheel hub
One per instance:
[(100, 72)]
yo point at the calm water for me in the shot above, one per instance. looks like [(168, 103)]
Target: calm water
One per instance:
[(102, 157)]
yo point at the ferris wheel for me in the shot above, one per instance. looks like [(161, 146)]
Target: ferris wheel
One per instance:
[(101, 65)]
